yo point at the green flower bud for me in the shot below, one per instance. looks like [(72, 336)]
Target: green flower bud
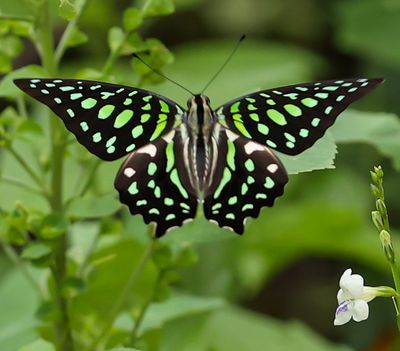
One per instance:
[(386, 241), (377, 220)]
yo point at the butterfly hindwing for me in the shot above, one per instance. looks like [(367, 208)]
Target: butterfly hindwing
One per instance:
[(291, 119), (251, 177), (154, 182), (109, 120)]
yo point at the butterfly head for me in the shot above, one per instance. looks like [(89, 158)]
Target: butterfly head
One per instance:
[(200, 114)]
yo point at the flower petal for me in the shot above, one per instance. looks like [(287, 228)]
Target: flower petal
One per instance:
[(343, 314), (353, 285), (343, 296), (360, 310), (345, 275)]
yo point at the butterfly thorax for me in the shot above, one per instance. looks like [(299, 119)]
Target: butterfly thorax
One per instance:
[(199, 127)]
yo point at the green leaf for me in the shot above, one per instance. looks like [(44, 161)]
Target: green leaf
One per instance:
[(381, 130), (116, 37), (11, 46), (158, 8), (7, 86), (38, 345), (124, 349), (76, 38), (93, 207), (320, 156), (176, 307), (260, 333), (36, 250), (110, 268), (53, 225), (29, 130), (18, 303), (132, 19), (355, 33), (67, 10), (5, 63)]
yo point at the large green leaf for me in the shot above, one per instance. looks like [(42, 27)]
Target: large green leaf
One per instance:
[(17, 305), (178, 306), (233, 329), (378, 42), (381, 130)]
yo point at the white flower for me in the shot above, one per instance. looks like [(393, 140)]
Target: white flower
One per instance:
[(353, 298)]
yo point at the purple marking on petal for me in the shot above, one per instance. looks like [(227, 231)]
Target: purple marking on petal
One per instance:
[(343, 307)]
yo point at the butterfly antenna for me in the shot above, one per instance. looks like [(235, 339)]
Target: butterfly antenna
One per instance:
[(224, 64), (161, 74)]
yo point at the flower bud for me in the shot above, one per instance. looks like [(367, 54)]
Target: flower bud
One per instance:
[(377, 220), (386, 241)]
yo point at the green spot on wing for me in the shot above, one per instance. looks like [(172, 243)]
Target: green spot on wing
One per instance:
[(169, 152), (151, 168), (230, 155), (88, 103), (235, 107), (123, 118), (277, 117), (269, 183), (164, 107), (249, 164), (106, 111), (226, 177), (137, 131), (294, 110), (133, 189), (262, 128), (309, 102), (175, 179)]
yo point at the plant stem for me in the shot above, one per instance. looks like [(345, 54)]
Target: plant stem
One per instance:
[(21, 184), (21, 106), (62, 45), (13, 256), (134, 334), (64, 341), (27, 168), (124, 295)]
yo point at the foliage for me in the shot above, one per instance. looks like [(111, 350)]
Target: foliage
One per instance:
[(79, 273)]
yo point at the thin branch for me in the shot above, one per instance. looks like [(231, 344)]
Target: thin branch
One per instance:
[(13, 256), (21, 106), (21, 184), (62, 45), (119, 302), (27, 168)]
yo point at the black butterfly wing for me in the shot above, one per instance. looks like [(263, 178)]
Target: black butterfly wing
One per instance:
[(109, 120), (153, 182), (291, 119), (248, 176)]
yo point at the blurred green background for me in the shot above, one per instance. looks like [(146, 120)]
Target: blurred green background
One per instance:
[(275, 287)]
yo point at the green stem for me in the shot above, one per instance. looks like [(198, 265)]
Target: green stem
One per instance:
[(64, 341), (27, 168), (13, 256), (134, 334), (90, 177), (16, 18), (22, 106), (396, 278), (123, 296), (62, 45), (22, 185)]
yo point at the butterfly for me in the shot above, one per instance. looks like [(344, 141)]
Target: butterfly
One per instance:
[(177, 158)]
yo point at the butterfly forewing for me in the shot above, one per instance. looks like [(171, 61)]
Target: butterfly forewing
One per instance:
[(153, 182), (109, 120), (291, 119), (251, 178)]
